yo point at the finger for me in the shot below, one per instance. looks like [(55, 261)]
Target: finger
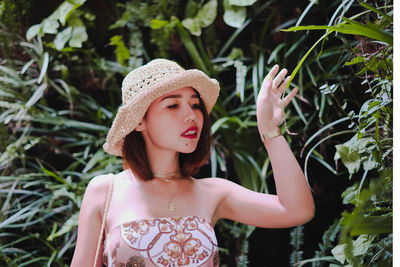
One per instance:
[(273, 72), (282, 87), (289, 97), (266, 87), (279, 79)]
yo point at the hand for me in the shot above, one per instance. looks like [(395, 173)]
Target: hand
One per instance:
[(269, 103)]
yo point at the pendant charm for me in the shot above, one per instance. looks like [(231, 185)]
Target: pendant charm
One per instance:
[(172, 206)]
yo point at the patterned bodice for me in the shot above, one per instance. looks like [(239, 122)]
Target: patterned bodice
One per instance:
[(181, 241)]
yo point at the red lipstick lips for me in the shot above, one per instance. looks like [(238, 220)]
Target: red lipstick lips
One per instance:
[(191, 132)]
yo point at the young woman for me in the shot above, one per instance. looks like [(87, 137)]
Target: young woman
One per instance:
[(155, 213)]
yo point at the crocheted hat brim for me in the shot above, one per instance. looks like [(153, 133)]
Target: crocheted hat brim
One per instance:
[(130, 115)]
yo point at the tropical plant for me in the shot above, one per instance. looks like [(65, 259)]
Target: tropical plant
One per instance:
[(50, 139), (369, 151), (60, 90)]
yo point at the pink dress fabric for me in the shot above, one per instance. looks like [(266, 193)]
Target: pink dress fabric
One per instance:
[(181, 241), (166, 242)]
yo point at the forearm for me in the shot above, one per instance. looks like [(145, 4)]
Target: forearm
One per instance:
[(291, 185)]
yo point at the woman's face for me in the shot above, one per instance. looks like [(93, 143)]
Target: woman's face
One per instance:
[(173, 121)]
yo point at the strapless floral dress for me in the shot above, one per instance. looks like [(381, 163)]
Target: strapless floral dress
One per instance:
[(171, 242)]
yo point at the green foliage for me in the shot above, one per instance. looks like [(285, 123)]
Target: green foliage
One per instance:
[(75, 34), (235, 12), (40, 200), (121, 51), (369, 222), (296, 240), (56, 106), (205, 16)]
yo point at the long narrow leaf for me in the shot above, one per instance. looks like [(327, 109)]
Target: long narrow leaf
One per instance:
[(383, 14), (351, 27), (44, 67), (312, 2), (191, 48)]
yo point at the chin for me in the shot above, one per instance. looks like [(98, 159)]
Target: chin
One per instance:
[(188, 149)]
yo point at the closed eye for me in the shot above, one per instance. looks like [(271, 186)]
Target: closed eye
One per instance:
[(174, 106), (196, 106)]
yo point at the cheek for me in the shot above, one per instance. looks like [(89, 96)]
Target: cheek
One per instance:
[(161, 124), (200, 118)]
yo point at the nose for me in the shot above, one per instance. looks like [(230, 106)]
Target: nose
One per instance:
[(189, 114)]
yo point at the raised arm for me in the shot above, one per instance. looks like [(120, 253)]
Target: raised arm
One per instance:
[(90, 223), (293, 204)]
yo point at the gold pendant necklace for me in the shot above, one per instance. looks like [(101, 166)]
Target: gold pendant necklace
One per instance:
[(172, 206), (171, 203)]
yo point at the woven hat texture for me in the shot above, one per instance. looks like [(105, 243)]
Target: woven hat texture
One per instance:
[(148, 82)]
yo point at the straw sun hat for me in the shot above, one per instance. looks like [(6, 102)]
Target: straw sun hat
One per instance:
[(146, 83)]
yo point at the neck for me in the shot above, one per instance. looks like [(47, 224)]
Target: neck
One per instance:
[(163, 161)]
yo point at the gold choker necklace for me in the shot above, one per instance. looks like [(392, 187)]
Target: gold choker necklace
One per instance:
[(167, 177)]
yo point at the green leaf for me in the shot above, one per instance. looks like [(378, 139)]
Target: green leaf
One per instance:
[(235, 53), (121, 51), (33, 31), (191, 48), (191, 9), (203, 19), (207, 13), (192, 25), (65, 10), (36, 95), (126, 17), (89, 16), (79, 36), (350, 159), (355, 60), (351, 27), (241, 71), (27, 65), (43, 68), (373, 225), (338, 253), (93, 161), (50, 26), (234, 16), (67, 227), (54, 175), (218, 124), (242, 2), (376, 11), (361, 244), (158, 23), (62, 37), (60, 121), (63, 192)]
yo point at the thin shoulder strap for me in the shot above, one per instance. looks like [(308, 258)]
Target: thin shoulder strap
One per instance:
[(103, 221)]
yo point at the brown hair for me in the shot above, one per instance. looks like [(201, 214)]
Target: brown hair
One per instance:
[(135, 157)]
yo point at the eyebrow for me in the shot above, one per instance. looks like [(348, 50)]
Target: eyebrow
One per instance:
[(177, 96)]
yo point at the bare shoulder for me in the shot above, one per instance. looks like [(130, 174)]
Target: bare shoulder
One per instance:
[(219, 186), (100, 183), (98, 189), (215, 182)]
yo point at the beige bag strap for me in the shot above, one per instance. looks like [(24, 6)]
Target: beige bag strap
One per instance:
[(103, 221)]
